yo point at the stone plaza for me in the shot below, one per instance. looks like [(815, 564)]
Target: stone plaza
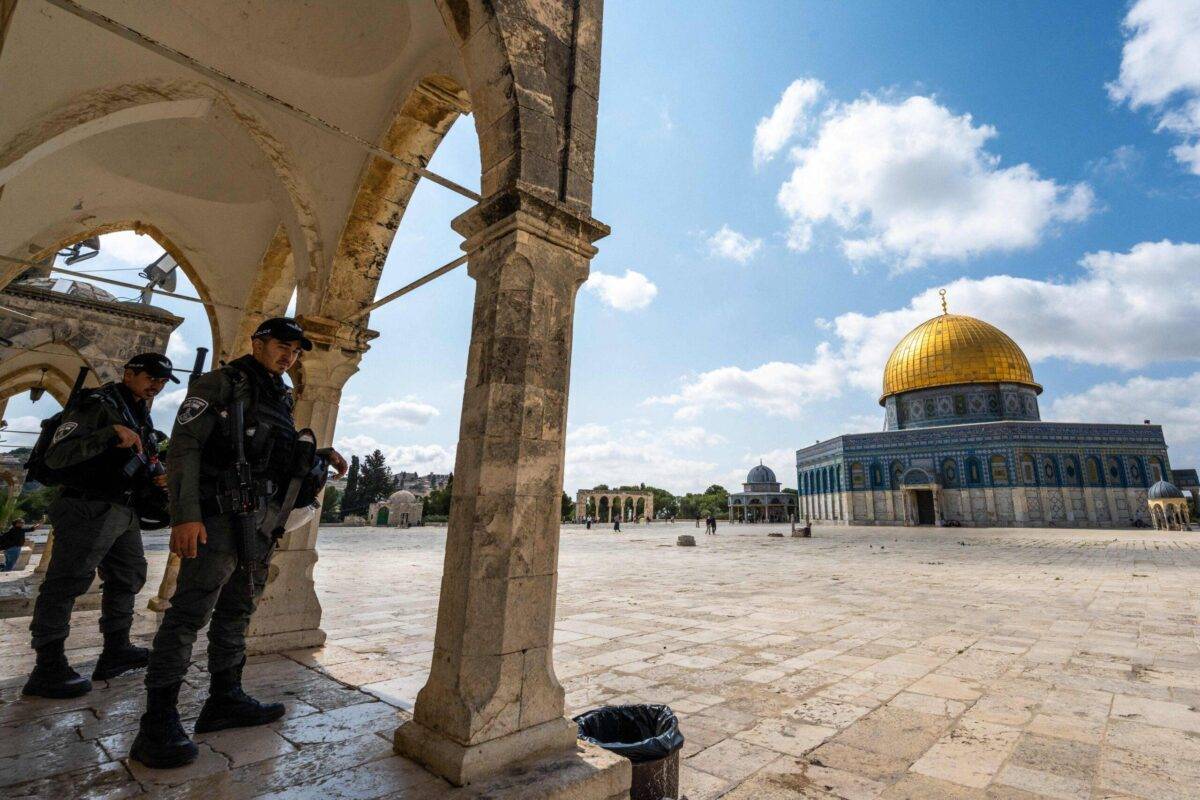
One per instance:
[(860, 663)]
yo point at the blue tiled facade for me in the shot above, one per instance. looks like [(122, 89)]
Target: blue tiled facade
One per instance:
[(1004, 456)]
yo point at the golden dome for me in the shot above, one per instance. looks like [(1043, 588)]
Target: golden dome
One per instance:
[(954, 349)]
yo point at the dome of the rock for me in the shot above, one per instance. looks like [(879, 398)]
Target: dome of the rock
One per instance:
[(953, 349)]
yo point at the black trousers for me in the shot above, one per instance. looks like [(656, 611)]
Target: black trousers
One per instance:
[(89, 535), (210, 586)]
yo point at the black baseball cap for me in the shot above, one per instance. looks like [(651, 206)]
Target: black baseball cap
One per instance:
[(156, 365), (285, 329)]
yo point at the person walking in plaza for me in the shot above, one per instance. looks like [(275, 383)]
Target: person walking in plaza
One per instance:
[(11, 542), (103, 446), (710, 524), (616, 523), (231, 486)]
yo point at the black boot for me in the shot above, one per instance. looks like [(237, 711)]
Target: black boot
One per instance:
[(119, 656), (161, 741), (53, 677), (228, 706)]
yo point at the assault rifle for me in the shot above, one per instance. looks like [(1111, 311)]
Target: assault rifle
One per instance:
[(245, 502), (198, 365)]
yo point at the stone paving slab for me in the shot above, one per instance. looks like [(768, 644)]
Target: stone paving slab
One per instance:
[(861, 663)]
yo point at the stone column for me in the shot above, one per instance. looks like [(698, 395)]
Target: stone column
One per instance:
[(492, 697), (288, 616)]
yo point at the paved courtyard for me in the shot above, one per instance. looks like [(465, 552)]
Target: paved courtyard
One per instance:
[(861, 663)]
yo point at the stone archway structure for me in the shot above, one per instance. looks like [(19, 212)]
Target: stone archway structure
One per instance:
[(100, 128), (605, 501)]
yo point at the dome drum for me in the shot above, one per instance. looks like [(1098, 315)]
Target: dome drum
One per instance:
[(956, 369)]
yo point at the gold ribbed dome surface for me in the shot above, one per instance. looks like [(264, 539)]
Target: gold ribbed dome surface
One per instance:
[(954, 349)]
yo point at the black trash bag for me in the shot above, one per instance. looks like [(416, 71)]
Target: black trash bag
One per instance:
[(640, 733)]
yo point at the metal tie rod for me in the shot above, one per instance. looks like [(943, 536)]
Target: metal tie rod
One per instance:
[(142, 40), (92, 277), (403, 290)]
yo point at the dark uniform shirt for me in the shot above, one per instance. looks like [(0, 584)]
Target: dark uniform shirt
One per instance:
[(200, 452), (86, 438)]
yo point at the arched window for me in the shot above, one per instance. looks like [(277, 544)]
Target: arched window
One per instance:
[(999, 469), (897, 469), (1049, 472), (949, 472), (1093, 471), (1135, 471), (974, 475), (858, 478), (876, 477), (1028, 470), (1070, 468), (1116, 476), (1157, 471)]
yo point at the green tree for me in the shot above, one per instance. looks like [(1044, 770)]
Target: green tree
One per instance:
[(375, 481), (568, 508), (437, 502), (331, 505), (33, 505), (349, 504)]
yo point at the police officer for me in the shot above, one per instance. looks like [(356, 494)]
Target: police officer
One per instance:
[(213, 580), (102, 448)]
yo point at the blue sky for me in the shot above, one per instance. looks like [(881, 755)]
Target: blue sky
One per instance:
[(1038, 161)]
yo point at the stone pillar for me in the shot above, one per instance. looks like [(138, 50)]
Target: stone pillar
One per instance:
[(492, 697), (289, 615)]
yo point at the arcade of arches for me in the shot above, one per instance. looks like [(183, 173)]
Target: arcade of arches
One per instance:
[(142, 119), (608, 506)]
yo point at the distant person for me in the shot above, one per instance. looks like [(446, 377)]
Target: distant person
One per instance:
[(11, 542), (710, 525), (588, 521), (616, 524)]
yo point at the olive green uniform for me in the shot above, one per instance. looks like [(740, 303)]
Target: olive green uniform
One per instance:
[(211, 585), (94, 522)]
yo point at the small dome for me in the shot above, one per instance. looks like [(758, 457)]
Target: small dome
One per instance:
[(71, 287), (761, 474), (1164, 490), (402, 496), (953, 349)]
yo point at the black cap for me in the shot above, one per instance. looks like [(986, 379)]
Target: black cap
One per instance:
[(285, 329), (154, 364)]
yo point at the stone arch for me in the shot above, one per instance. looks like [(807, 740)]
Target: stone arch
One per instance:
[(196, 277), (418, 126), (58, 383), (108, 109)]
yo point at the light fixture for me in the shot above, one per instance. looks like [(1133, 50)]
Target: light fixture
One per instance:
[(76, 252), (36, 392), (161, 275)]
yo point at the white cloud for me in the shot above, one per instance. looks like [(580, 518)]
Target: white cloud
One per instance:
[(630, 292), (788, 118), (778, 388), (26, 424), (406, 413), (178, 347), (728, 243), (133, 249), (1170, 402), (1160, 69), (1106, 316), (690, 437), (595, 455), (910, 182), (410, 458), (165, 406)]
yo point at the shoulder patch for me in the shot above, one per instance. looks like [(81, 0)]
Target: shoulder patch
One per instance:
[(191, 408), (63, 431)]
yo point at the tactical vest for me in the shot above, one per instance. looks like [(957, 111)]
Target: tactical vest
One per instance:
[(104, 475), (270, 430)]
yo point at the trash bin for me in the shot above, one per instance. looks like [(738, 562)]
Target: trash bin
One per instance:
[(647, 735)]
